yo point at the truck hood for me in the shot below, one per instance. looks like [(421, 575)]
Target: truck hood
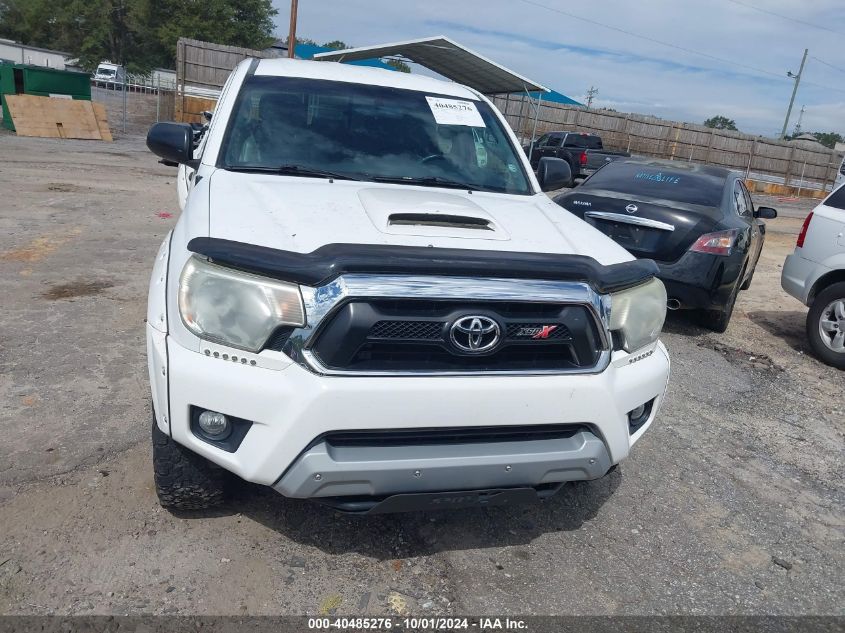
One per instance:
[(303, 214)]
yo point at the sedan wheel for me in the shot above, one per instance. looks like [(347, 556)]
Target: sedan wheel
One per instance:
[(826, 325)]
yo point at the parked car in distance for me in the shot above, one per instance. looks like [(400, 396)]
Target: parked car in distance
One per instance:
[(358, 305), (584, 152), (697, 222), (815, 275), (110, 75)]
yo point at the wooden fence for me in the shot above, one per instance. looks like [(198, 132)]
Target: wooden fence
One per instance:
[(790, 163), (203, 67)]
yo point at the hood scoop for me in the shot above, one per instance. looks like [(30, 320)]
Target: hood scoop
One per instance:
[(429, 213), (439, 219)]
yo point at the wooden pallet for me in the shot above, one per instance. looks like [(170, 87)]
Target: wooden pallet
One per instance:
[(51, 117)]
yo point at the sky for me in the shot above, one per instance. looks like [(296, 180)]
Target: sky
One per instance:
[(684, 60)]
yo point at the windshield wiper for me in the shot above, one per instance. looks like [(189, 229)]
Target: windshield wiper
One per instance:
[(426, 181), (293, 170)]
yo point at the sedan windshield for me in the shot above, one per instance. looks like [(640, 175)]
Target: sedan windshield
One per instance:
[(362, 132)]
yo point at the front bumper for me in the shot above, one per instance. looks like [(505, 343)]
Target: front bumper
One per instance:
[(700, 280), (290, 407), (326, 470)]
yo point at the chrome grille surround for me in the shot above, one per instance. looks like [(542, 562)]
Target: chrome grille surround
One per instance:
[(321, 301)]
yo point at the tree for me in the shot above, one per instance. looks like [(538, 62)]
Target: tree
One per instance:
[(399, 65), (140, 34), (828, 139), (720, 122), (337, 45)]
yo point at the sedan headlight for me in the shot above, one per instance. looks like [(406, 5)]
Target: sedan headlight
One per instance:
[(637, 314), (233, 307)]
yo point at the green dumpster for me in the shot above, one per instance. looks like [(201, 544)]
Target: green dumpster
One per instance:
[(42, 82)]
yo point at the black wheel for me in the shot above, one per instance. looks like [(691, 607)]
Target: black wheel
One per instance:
[(718, 320), (183, 479), (826, 325)]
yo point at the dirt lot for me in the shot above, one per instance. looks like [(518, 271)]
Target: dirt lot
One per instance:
[(731, 504)]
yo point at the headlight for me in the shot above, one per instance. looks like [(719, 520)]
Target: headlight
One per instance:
[(235, 308), (637, 314)]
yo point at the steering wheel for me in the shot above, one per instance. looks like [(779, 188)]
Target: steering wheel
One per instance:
[(432, 157)]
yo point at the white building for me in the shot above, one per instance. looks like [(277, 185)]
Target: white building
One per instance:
[(24, 54)]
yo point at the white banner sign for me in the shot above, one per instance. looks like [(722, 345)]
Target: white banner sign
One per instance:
[(455, 112)]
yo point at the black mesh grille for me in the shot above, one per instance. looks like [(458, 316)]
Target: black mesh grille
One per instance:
[(398, 335), (388, 356), (407, 330)]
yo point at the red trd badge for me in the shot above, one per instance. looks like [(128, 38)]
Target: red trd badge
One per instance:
[(545, 331)]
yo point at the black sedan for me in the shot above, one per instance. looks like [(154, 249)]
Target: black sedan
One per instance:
[(697, 222)]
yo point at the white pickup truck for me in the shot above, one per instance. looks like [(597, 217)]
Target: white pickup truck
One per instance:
[(361, 306)]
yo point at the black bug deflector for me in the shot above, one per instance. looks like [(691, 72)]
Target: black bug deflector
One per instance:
[(327, 262)]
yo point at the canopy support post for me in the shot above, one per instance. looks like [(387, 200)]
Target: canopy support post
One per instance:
[(536, 116)]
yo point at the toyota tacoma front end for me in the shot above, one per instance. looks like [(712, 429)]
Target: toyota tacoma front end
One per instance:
[(355, 308)]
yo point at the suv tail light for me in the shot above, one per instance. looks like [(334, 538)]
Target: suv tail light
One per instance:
[(803, 234), (583, 158), (719, 243)]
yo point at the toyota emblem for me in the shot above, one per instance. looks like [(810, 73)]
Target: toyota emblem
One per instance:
[(631, 208), (474, 334)]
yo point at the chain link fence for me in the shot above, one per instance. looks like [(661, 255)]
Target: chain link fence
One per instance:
[(134, 104)]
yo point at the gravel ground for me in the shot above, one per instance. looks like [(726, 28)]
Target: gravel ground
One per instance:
[(731, 504)]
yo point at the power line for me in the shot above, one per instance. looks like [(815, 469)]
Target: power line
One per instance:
[(668, 44), (786, 17), (842, 70), (650, 39)]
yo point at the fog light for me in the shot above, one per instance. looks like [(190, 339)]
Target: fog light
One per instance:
[(214, 424), (634, 415), (639, 416)]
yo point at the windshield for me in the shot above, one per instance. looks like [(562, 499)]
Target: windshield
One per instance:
[(649, 181), (370, 133), (105, 71)]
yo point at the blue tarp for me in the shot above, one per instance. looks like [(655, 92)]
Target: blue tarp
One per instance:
[(307, 51), (555, 97)]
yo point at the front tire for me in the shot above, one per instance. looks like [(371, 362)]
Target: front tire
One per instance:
[(826, 325), (183, 479)]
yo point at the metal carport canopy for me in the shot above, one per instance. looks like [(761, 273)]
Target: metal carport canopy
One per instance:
[(448, 58)]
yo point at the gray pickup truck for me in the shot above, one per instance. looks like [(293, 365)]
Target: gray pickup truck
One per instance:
[(584, 152)]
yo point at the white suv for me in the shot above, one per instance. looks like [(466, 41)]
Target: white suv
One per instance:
[(359, 306), (815, 275)]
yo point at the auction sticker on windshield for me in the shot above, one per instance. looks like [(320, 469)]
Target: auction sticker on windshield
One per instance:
[(455, 112)]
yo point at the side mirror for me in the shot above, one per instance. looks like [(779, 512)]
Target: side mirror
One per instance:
[(765, 213), (553, 173), (173, 142)]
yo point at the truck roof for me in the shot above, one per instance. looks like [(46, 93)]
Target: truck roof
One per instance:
[(571, 132), (335, 71)]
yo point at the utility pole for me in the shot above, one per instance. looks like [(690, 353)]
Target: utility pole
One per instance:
[(591, 93), (292, 32), (797, 130), (794, 91)]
